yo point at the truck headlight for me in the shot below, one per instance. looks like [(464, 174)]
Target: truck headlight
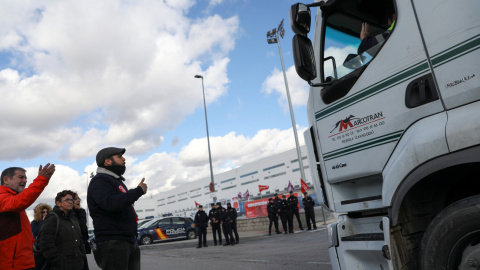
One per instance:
[(332, 235)]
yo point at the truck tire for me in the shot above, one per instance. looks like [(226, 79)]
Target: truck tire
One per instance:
[(452, 240)]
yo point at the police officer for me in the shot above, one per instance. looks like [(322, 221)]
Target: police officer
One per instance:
[(232, 213), (286, 214), (308, 204), (226, 226), (272, 216), (201, 220), (214, 216), (293, 202)]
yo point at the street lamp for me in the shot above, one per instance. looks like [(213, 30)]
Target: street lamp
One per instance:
[(212, 183), (272, 37)]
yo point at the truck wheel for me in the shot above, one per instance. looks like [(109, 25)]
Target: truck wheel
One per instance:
[(452, 240), (146, 240), (192, 234)]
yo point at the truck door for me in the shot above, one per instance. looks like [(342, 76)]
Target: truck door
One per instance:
[(451, 30), (370, 99)]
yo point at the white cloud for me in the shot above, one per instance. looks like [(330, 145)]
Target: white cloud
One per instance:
[(298, 88), (106, 72)]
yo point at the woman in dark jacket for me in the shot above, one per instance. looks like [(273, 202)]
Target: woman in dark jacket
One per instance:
[(81, 216), (39, 214), (63, 249)]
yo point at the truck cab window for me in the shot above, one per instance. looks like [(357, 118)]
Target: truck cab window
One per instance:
[(345, 27)]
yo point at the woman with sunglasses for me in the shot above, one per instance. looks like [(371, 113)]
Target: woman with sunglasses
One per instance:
[(39, 214)]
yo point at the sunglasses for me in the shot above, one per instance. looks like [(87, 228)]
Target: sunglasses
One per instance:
[(44, 212)]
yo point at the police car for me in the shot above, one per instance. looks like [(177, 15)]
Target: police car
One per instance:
[(166, 228)]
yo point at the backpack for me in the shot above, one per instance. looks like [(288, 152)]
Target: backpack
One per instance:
[(40, 261)]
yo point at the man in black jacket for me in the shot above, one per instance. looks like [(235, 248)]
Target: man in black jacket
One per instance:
[(112, 212), (214, 216), (286, 215), (293, 202), (226, 226), (232, 214), (272, 216), (308, 204), (201, 220)]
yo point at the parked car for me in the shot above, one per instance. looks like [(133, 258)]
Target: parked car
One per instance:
[(141, 222), (166, 228)]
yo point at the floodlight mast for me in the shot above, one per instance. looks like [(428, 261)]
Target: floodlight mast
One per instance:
[(208, 136), (272, 37)]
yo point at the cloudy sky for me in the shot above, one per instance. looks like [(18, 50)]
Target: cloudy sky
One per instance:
[(77, 76)]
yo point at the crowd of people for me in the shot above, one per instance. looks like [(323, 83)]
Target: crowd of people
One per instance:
[(57, 238), (226, 219), (218, 216), (286, 209)]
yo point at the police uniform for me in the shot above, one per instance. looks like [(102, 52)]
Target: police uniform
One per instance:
[(227, 227), (308, 204), (272, 216), (201, 219), (214, 216), (286, 215), (293, 202), (232, 214)]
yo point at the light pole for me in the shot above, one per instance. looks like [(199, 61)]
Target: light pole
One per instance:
[(272, 37), (208, 136)]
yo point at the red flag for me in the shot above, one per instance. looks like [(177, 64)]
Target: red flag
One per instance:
[(196, 204), (262, 188), (304, 186)]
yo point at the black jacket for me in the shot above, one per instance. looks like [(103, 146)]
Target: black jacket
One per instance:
[(278, 204), (231, 214), (272, 210), (36, 225), (81, 216), (286, 207), (293, 202), (63, 249), (214, 214), (201, 219), (222, 213), (308, 203), (111, 207)]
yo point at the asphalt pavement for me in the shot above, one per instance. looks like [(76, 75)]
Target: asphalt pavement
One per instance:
[(256, 250)]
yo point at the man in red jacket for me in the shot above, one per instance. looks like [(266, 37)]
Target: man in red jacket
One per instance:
[(16, 239)]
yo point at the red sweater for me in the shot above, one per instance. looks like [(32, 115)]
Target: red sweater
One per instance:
[(16, 239)]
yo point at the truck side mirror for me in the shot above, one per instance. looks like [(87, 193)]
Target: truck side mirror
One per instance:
[(300, 19), (304, 57)]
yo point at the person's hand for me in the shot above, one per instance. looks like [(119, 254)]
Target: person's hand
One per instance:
[(46, 171), (143, 186), (365, 32)]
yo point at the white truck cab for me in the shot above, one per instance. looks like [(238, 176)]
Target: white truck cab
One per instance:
[(394, 138)]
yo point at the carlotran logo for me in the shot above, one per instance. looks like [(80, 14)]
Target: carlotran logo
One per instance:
[(344, 123), (352, 121)]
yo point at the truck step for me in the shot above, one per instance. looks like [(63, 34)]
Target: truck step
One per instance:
[(364, 237)]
